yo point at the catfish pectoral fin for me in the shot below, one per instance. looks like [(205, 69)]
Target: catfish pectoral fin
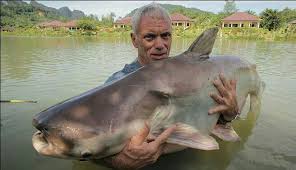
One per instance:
[(186, 135), (225, 132)]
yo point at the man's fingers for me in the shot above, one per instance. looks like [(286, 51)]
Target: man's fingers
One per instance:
[(217, 109), (220, 87), (164, 135), (217, 98), (139, 138), (233, 84), (224, 81)]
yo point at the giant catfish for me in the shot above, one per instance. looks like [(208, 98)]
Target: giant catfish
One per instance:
[(99, 122)]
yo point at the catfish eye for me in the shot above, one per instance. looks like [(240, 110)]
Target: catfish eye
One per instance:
[(86, 155)]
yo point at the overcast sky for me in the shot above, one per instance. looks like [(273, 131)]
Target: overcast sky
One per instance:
[(121, 8)]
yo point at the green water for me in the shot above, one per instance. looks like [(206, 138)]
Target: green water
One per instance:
[(50, 70)]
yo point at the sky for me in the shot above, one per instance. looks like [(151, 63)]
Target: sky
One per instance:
[(121, 8)]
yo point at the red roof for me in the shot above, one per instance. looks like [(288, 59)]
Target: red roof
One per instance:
[(55, 23), (72, 23), (174, 17), (43, 24), (125, 21), (241, 16), (179, 17)]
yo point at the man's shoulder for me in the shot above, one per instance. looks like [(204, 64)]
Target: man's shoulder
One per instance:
[(128, 68), (115, 76)]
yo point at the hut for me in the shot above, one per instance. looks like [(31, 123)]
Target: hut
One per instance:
[(241, 19), (7, 28), (177, 20), (55, 24), (180, 20), (71, 25), (123, 22), (292, 22)]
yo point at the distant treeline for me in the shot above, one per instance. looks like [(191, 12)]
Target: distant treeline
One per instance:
[(25, 16), (22, 14)]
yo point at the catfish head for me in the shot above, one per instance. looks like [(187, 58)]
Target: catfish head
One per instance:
[(97, 123)]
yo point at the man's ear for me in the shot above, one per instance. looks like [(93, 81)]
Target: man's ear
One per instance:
[(134, 40)]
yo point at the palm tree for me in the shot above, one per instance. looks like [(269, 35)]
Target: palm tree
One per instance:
[(270, 19)]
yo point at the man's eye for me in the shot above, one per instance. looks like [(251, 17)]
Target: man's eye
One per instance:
[(165, 35), (149, 37)]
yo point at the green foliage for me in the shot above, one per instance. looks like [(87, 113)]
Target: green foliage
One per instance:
[(87, 24), (270, 19), (20, 18), (21, 14), (229, 7), (287, 15), (251, 12), (190, 12), (108, 19)]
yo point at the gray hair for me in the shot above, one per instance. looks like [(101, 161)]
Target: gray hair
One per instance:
[(151, 10)]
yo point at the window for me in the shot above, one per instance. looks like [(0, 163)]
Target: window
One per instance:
[(225, 25), (234, 25)]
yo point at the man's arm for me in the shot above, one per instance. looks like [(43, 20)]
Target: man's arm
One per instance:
[(226, 99), (139, 152)]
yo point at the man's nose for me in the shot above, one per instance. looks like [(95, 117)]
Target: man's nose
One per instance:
[(159, 43)]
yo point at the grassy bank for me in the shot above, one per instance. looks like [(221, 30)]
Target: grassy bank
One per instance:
[(288, 33)]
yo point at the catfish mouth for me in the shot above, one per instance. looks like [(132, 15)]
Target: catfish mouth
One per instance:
[(50, 145), (47, 145)]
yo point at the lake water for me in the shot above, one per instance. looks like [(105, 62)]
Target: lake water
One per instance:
[(50, 70)]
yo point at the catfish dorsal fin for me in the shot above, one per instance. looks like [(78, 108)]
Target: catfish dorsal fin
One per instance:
[(203, 45)]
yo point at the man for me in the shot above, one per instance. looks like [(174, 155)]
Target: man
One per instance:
[(152, 36)]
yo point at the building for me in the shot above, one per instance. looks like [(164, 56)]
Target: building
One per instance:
[(292, 22), (55, 24), (177, 20), (241, 19), (7, 28), (123, 22), (180, 20), (71, 25)]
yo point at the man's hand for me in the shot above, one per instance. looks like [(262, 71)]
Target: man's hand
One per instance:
[(226, 99), (139, 152)]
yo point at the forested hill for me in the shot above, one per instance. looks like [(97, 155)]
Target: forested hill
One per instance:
[(190, 12), (22, 14)]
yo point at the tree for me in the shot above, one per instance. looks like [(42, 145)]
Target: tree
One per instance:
[(270, 19), (287, 15), (108, 19), (87, 24), (251, 12), (229, 7)]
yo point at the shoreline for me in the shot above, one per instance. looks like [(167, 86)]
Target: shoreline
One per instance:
[(285, 34)]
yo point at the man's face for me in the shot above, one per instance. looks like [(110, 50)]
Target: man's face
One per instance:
[(153, 39)]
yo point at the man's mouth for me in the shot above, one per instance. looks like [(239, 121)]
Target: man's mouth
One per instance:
[(158, 56)]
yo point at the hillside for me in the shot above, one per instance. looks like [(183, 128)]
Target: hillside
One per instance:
[(23, 14), (190, 12)]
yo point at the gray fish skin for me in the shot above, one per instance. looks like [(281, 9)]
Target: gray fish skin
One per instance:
[(98, 123)]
